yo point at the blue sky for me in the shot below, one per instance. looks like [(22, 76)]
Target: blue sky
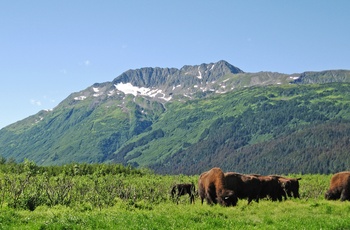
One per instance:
[(49, 49)]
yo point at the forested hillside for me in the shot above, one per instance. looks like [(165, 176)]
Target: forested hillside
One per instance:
[(292, 129), (185, 121)]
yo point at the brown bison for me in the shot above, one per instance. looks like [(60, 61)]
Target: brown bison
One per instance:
[(290, 185), (183, 189), (212, 188), (339, 187), (271, 188), (244, 186)]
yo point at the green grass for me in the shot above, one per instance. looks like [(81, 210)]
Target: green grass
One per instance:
[(131, 200), (291, 214)]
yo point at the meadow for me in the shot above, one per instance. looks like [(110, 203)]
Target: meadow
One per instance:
[(115, 197)]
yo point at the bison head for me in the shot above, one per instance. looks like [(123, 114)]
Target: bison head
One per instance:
[(331, 195), (227, 198)]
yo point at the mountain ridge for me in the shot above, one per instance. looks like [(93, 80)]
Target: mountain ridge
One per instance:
[(145, 117)]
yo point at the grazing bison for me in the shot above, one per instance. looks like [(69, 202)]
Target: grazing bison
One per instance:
[(339, 187), (244, 186), (290, 185), (183, 189), (271, 188), (212, 188)]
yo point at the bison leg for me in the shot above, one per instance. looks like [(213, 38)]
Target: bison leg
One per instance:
[(249, 200), (344, 195), (284, 195), (296, 194), (279, 197), (192, 199), (211, 198), (173, 191), (211, 195), (201, 195), (257, 199)]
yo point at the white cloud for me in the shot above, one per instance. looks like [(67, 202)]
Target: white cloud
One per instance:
[(35, 102), (85, 63)]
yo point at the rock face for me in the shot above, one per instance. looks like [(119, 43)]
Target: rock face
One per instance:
[(178, 81), (151, 77)]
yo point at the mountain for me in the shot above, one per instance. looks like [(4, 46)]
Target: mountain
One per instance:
[(190, 119)]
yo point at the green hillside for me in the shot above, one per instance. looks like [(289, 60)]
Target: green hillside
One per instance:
[(281, 128), (284, 129), (83, 132)]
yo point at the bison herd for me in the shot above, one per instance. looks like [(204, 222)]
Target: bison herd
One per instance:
[(217, 187)]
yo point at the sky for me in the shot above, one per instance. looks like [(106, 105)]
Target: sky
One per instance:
[(50, 49)]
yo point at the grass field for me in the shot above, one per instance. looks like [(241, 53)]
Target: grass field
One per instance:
[(291, 214), (142, 201)]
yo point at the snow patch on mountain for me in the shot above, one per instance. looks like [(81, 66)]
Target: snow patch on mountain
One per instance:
[(200, 74), (128, 88), (110, 93), (80, 98)]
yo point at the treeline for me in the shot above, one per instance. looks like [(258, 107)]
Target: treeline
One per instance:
[(72, 169)]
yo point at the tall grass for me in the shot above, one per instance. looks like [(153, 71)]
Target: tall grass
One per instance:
[(130, 200)]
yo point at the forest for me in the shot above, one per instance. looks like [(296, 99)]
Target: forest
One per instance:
[(276, 130)]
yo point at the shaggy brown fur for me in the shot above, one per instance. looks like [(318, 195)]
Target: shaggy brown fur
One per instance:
[(339, 187), (271, 188), (244, 186), (211, 187), (290, 185)]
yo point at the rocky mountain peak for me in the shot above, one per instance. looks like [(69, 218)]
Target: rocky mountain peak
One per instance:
[(164, 83), (210, 72), (154, 77), (193, 82)]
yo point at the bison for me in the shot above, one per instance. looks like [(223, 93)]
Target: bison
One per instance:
[(290, 185), (271, 188), (244, 186), (339, 187), (212, 188), (183, 189)]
